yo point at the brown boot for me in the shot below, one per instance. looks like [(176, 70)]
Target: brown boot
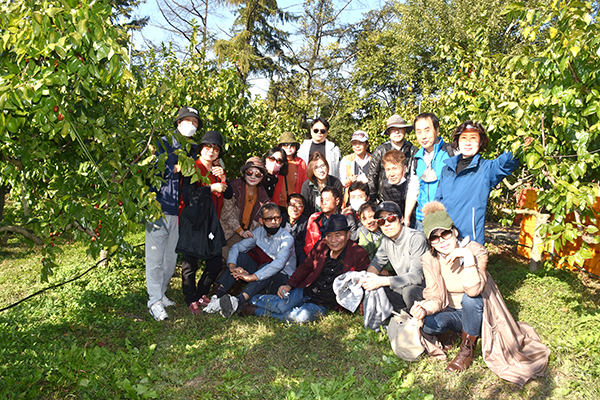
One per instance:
[(465, 354), (447, 340), (247, 309)]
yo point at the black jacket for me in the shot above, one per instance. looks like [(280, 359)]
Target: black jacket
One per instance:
[(376, 170)]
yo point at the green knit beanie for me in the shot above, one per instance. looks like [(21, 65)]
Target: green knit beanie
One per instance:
[(436, 217)]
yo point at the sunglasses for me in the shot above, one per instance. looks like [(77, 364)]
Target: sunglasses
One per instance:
[(323, 131), (390, 218), (211, 146), (288, 144), (257, 174), (447, 234), (277, 160)]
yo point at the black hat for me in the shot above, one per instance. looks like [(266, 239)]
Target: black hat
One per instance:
[(336, 223), (388, 206), (187, 112), (212, 137)]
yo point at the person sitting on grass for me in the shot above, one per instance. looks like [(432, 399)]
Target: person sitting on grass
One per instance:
[(264, 259), (308, 294), (396, 186), (296, 223), (461, 296)]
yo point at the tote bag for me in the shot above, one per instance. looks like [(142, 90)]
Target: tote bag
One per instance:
[(403, 332)]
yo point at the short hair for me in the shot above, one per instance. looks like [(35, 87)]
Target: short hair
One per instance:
[(283, 170), (312, 162), (321, 120), (432, 117), (359, 186), (484, 141), (333, 190), (297, 196), (393, 156), (368, 204), (269, 206)]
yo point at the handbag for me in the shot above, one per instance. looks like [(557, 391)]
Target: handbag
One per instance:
[(405, 338)]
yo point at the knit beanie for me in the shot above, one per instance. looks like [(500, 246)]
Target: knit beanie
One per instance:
[(436, 217)]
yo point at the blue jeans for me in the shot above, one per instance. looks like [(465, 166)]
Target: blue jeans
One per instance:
[(293, 309), (419, 226), (226, 281), (468, 319)]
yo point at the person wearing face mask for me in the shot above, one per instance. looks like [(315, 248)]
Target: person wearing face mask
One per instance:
[(467, 180), (265, 259), (162, 235), (276, 164), (358, 194), (319, 130)]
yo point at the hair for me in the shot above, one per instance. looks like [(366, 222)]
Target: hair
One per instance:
[(283, 170), (296, 146), (321, 120), (243, 177), (484, 140), (393, 156), (268, 206), (368, 204), (297, 196), (333, 190), (312, 162), (432, 117), (359, 186)]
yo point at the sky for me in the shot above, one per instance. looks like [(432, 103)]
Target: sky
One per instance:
[(222, 21)]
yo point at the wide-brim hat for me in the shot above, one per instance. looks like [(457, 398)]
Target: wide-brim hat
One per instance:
[(396, 121), (187, 112), (336, 223), (254, 162), (212, 137), (288, 137), (390, 207), (436, 217), (360, 136)]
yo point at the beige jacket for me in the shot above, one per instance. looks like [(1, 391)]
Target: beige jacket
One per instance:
[(512, 350)]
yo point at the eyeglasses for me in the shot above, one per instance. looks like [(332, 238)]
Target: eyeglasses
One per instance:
[(257, 174), (322, 131), (447, 234), (211, 146), (390, 218), (271, 219), (322, 166), (277, 160)]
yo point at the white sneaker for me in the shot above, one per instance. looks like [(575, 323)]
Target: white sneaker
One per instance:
[(229, 305), (166, 302), (157, 310), (214, 305)]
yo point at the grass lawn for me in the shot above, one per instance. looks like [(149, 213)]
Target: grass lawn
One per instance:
[(94, 339)]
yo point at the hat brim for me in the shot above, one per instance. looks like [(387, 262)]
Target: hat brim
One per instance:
[(246, 167), (408, 128), (327, 230), (179, 118)]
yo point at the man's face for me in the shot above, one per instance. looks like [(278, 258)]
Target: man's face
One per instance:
[(295, 208), (271, 218), (397, 134), (319, 132), (358, 195), (368, 220), (336, 241), (188, 120), (329, 203), (426, 134), (394, 172), (390, 229)]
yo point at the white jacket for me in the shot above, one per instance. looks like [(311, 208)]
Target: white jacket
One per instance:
[(332, 155)]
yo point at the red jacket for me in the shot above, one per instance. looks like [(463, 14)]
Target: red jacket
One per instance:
[(356, 259), (313, 231), (281, 185)]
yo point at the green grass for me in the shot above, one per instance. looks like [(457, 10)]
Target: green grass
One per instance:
[(94, 339)]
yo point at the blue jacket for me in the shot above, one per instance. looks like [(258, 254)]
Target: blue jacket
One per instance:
[(427, 189), (169, 193), (466, 195)]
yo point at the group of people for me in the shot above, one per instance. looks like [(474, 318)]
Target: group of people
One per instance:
[(302, 228)]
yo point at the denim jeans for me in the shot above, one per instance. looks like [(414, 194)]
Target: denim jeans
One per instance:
[(293, 309), (469, 319), (419, 226)]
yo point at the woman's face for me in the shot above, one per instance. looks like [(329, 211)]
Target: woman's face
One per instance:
[(290, 149), (319, 132), (253, 176), (209, 153), (368, 220), (468, 143), (275, 158), (359, 148), (321, 170), (444, 242)]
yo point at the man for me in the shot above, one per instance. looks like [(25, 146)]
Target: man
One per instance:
[(397, 185), (330, 202), (396, 130), (162, 235), (319, 130), (296, 224), (403, 248), (308, 293), (264, 259), (427, 165), (358, 194)]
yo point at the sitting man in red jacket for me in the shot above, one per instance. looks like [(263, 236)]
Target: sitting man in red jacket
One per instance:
[(308, 293)]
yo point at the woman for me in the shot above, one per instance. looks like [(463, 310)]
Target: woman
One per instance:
[(461, 296), (317, 172), (292, 181), (276, 164), (467, 180), (355, 167)]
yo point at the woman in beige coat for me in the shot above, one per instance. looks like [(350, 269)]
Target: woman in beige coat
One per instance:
[(461, 296)]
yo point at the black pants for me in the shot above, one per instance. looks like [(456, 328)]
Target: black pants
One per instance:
[(189, 266), (405, 298)]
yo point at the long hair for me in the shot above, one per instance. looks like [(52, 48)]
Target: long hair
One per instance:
[(283, 170)]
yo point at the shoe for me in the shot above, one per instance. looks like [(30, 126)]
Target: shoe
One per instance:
[(157, 310), (229, 305), (447, 340), (195, 308), (213, 306), (166, 302), (465, 354), (247, 309), (204, 301)]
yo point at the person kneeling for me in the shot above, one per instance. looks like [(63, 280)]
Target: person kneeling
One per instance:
[(308, 294)]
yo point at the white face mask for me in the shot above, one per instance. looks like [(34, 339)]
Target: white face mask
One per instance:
[(356, 203), (187, 129)]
